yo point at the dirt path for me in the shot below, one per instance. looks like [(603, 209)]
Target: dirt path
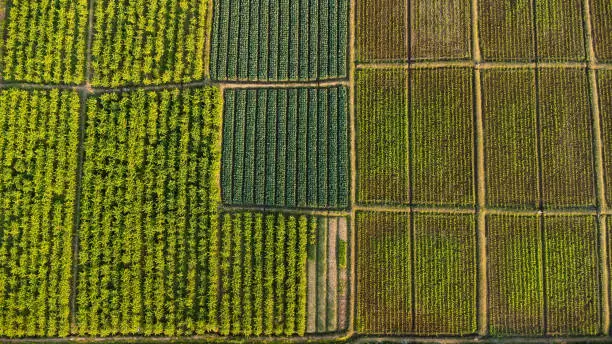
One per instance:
[(332, 275), (342, 276)]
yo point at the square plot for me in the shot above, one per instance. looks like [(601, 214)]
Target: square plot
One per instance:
[(510, 138), (441, 29), (567, 138), (604, 80), (285, 147), (506, 29), (442, 136), (267, 40), (43, 41), (560, 29), (601, 16), (384, 287), (444, 274), (572, 275), (149, 216), (38, 145), (382, 136), (381, 31), (160, 42), (514, 260)]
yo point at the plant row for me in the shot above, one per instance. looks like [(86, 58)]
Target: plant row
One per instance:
[(38, 150), (279, 40), (285, 147)]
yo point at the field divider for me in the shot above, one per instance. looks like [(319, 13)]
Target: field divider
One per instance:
[(482, 64), (598, 148), (352, 67)]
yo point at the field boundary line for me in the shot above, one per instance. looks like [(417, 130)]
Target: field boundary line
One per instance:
[(599, 169), (479, 179), (481, 64), (352, 278)]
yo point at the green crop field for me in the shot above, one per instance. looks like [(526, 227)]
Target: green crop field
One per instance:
[(305, 171), (286, 147)]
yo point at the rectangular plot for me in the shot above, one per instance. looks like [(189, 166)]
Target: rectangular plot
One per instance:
[(442, 136), (382, 142), (601, 15), (441, 29), (272, 156), (283, 40), (559, 29), (567, 151), (444, 274), (506, 29), (572, 275), (384, 296), (39, 157), (604, 80), (381, 31), (510, 138), (514, 257)]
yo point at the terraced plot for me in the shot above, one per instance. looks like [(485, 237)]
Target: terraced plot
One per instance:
[(38, 152), (285, 147), (148, 214), (44, 41), (604, 80), (515, 287), (382, 136), (510, 138), (567, 138), (506, 29), (149, 42), (442, 141), (279, 40), (572, 275)]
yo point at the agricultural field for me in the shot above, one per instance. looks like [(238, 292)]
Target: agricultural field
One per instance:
[(279, 40), (38, 150), (149, 42), (322, 171), (285, 147)]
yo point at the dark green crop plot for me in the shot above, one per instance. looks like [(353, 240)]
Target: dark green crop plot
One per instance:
[(514, 266), (384, 303), (510, 128), (279, 40), (441, 29), (444, 274), (506, 29), (149, 41), (572, 275), (442, 136), (560, 29), (44, 41), (285, 147), (148, 236), (38, 155), (567, 138), (382, 34), (382, 142), (604, 79), (601, 14)]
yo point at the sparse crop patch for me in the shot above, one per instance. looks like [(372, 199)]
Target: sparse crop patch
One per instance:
[(506, 29)]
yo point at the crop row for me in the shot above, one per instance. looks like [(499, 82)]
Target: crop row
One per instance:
[(285, 147), (416, 273), (508, 29), (538, 135), (134, 42), (425, 157), (148, 234), (279, 40), (38, 155)]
